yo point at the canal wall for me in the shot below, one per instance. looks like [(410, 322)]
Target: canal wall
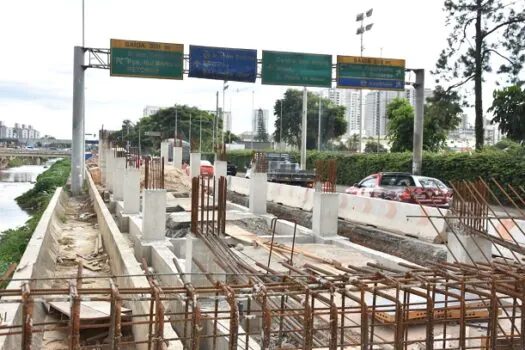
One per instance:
[(38, 261)]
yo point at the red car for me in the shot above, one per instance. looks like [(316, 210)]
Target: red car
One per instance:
[(206, 168), (404, 187)]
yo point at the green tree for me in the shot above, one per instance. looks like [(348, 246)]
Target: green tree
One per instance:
[(353, 143), (333, 119), (497, 29), (374, 147), (262, 134), (442, 113), (508, 108), (231, 137)]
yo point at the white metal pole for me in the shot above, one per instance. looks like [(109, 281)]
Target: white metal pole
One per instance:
[(189, 139), (200, 134), (83, 26), (319, 127), (77, 152), (281, 127), (222, 111), (361, 114), (176, 122), (253, 109), (303, 129)]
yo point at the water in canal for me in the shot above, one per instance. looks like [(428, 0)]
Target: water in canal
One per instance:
[(14, 182)]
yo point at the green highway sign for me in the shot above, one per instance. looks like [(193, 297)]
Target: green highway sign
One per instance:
[(143, 59), (370, 73), (296, 69)]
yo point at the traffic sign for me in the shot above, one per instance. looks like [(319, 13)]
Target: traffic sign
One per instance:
[(144, 59), (297, 69), (370, 73), (152, 133), (223, 63)]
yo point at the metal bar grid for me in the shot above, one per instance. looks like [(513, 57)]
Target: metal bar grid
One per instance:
[(364, 308), (153, 172), (326, 175)]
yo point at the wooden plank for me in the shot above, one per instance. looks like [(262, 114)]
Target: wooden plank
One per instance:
[(89, 310)]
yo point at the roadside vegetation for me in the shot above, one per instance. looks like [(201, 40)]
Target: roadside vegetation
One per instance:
[(13, 242)]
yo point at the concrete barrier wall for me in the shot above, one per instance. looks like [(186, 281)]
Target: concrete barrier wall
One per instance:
[(393, 216), (38, 260), (123, 262)]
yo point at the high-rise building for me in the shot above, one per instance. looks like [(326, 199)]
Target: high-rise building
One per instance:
[(21, 132), (376, 103), (351, 101)]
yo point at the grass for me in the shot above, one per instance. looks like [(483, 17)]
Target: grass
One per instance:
[(14, 241)]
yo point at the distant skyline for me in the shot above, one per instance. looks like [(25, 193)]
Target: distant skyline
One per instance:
[(36, 75)]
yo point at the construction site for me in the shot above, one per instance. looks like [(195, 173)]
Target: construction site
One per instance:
[(152, 258)]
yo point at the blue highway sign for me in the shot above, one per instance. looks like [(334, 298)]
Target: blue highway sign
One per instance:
[(223, 63)]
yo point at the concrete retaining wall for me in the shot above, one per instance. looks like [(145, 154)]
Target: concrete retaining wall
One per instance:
[(38, 261), (392, 216), (123, 262)]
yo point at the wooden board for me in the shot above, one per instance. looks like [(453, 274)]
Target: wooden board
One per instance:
[(89, 310)]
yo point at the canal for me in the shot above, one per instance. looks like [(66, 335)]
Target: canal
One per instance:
[(14, 182)]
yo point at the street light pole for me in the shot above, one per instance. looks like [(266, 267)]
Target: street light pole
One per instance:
[(281, 127), (253, 115), (224, 88), (361, 31), (320, 125)]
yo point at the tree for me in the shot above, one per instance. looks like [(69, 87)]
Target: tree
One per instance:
[(400, 116), (441, 116), (262, 134), (353, 143), (231, 137), (333, 119), (374, 147), (508, 108), (498, 29)]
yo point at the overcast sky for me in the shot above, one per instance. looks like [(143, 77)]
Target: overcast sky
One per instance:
[(38, 39)]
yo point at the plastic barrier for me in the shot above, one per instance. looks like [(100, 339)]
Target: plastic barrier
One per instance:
[(509, 230)]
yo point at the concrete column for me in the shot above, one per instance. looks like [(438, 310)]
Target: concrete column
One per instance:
[(102, 161), (118, 180), (469, 242), (164, 151), (154, 215), (38, 161), (221, 169), (77, 144), (195, 164), (189, 255), (258, 193), (325, 214), (177, 157), (110, 165), (132, 191)]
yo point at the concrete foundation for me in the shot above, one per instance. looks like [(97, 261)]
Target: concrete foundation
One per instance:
[(478, 248), (195, 164), (164, 151), (154, 215), (221, 168), (177, 157), (131, 191), (118, 180), (324, 216), (258, 192)]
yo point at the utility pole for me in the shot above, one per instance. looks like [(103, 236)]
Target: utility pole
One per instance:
[(379, 115), (281, 127), (253, 115), (77, 151), (303, 129), (224, 88), (176, 121), (361, 31), (189, 139), (418, 122), (140, 145), (215, 119), (200, 134), (320, 123)]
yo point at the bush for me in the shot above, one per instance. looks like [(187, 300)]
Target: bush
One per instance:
[(507, 167)]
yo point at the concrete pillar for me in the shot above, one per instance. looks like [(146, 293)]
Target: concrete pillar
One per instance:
[(177, 157), (195, 164), (38, 161), (221, 169), (110, 165), (189, 255), (325, 214), (258, 193), (164, 151), (132, 191), (154, 215), (102, 160), (118, 180), (469, 242)]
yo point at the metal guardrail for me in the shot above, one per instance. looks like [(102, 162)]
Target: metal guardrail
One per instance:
[(32, 153)]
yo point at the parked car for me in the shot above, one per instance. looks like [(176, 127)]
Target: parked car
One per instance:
[(404, 187), (206, 168), (231, 169)]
